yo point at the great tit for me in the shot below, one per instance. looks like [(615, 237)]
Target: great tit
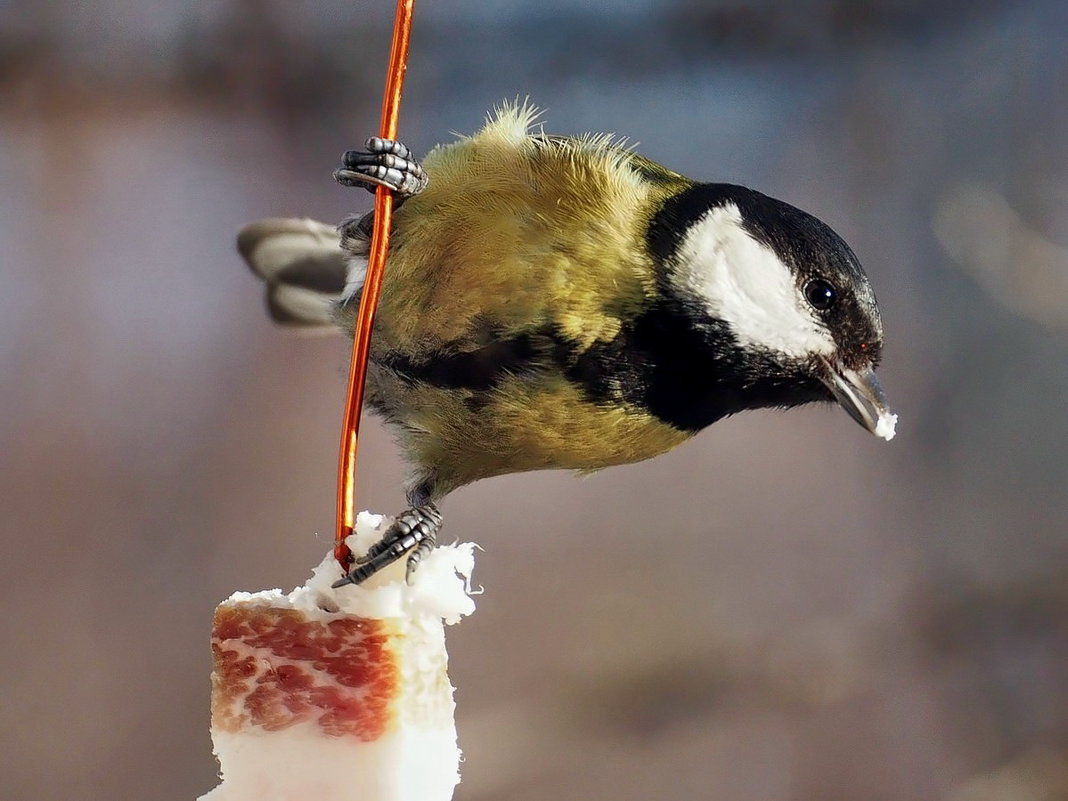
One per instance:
[(559, 302)]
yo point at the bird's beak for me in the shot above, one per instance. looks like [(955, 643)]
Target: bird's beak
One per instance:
[(860, 393)]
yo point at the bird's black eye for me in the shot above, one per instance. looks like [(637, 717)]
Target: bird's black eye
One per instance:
[(821, 294)]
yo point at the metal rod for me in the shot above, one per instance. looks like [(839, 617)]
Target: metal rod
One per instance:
[(376, 262)]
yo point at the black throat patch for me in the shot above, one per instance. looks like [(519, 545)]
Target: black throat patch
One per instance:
[(687, 371)]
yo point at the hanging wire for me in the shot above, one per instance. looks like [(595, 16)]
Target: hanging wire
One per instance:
[(346, 471)]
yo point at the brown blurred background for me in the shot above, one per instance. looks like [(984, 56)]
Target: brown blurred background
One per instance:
[(784, 609)]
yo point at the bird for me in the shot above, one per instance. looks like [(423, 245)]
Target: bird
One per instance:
[(563, 302)]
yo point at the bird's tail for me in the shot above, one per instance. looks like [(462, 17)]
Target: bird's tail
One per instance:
[(304, 267)]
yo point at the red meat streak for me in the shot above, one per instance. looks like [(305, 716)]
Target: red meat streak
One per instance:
[(275, 668)]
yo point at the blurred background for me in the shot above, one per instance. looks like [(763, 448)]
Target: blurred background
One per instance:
[(783, 609)]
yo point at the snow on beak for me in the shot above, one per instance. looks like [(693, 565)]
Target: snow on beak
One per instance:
[(860, 393)]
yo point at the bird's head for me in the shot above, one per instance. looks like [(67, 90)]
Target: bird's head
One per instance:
[(789, 314)]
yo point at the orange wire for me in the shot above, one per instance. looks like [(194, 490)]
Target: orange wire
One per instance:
[(376, 262)]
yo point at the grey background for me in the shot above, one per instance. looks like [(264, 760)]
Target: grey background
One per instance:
[(783, 608)]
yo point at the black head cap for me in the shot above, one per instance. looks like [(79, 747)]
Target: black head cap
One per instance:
[(826, 270)]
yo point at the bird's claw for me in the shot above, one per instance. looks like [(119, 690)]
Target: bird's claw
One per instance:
[(385, 162), (414, 533)]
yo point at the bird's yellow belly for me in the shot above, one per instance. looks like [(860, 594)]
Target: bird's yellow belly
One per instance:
[(525, 425)]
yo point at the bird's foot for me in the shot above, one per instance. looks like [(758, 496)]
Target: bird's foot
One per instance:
[(414, 533), (385, 162)]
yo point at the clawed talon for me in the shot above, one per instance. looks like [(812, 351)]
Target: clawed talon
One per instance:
[(416, 556), (414, 532), (385, 162)]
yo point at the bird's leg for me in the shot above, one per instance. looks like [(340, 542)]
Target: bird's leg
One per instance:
[(385, 162), (414, 532)]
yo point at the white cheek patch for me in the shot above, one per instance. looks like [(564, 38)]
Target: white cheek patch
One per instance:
[(745, 284)]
